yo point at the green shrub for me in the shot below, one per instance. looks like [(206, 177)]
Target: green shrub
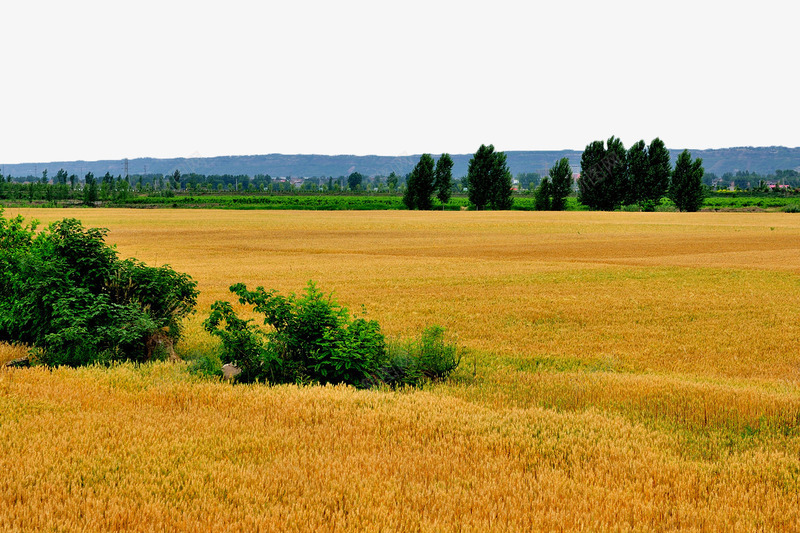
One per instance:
[(310, 338), (401, 367), (437, 358), (793, 208), (65, 292), (431, 357), (206, 364)]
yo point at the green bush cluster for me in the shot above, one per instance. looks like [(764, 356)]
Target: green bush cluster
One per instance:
[(64, 292), (312, 339), (431, 357)]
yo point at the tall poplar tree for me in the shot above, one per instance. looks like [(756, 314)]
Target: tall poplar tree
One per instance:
[(560, 184), (420, 185), (90, 189), (489, 179), (501, 181), (635, 189), (686, 189), (541, 196), (659, 170), (443, 182), (603, 175)]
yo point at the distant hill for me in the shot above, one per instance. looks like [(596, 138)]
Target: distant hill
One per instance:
[(762, 160)]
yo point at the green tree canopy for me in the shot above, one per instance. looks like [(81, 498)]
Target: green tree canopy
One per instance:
[(443, 182), (542, 201), (560, 184), (601, 185), (61, 177), (489, 179), (420, 185), (647, 175), (354, 180), (392, 181), (636, 173), (659, 170), (90, 189), (686, 189)]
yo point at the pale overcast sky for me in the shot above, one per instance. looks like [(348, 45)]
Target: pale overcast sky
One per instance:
[(107, 80)]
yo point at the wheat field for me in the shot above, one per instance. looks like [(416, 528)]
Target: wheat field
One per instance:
[(624, 371)]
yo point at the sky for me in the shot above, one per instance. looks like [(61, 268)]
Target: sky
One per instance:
[(86, 80)]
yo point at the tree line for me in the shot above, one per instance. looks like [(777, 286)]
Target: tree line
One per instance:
[(488, 181), (611, 176), (642, 175), (745, 180)]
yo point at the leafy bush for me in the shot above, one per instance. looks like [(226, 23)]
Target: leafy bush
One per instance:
[(437, 358), (311, 338), (793, 208), (401, 367), (65, 292), (206, 364)]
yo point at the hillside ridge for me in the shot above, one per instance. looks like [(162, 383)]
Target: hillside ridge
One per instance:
[(762, 160)]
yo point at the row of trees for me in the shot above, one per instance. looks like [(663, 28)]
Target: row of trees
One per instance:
[(551, 195), (642, 175), (429, 179), (611, 176), (488, 181)]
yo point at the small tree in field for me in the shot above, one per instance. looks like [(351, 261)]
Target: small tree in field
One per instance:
[(311, 338)]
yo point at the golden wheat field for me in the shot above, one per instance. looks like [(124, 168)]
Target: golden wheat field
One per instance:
[(624, 371)]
